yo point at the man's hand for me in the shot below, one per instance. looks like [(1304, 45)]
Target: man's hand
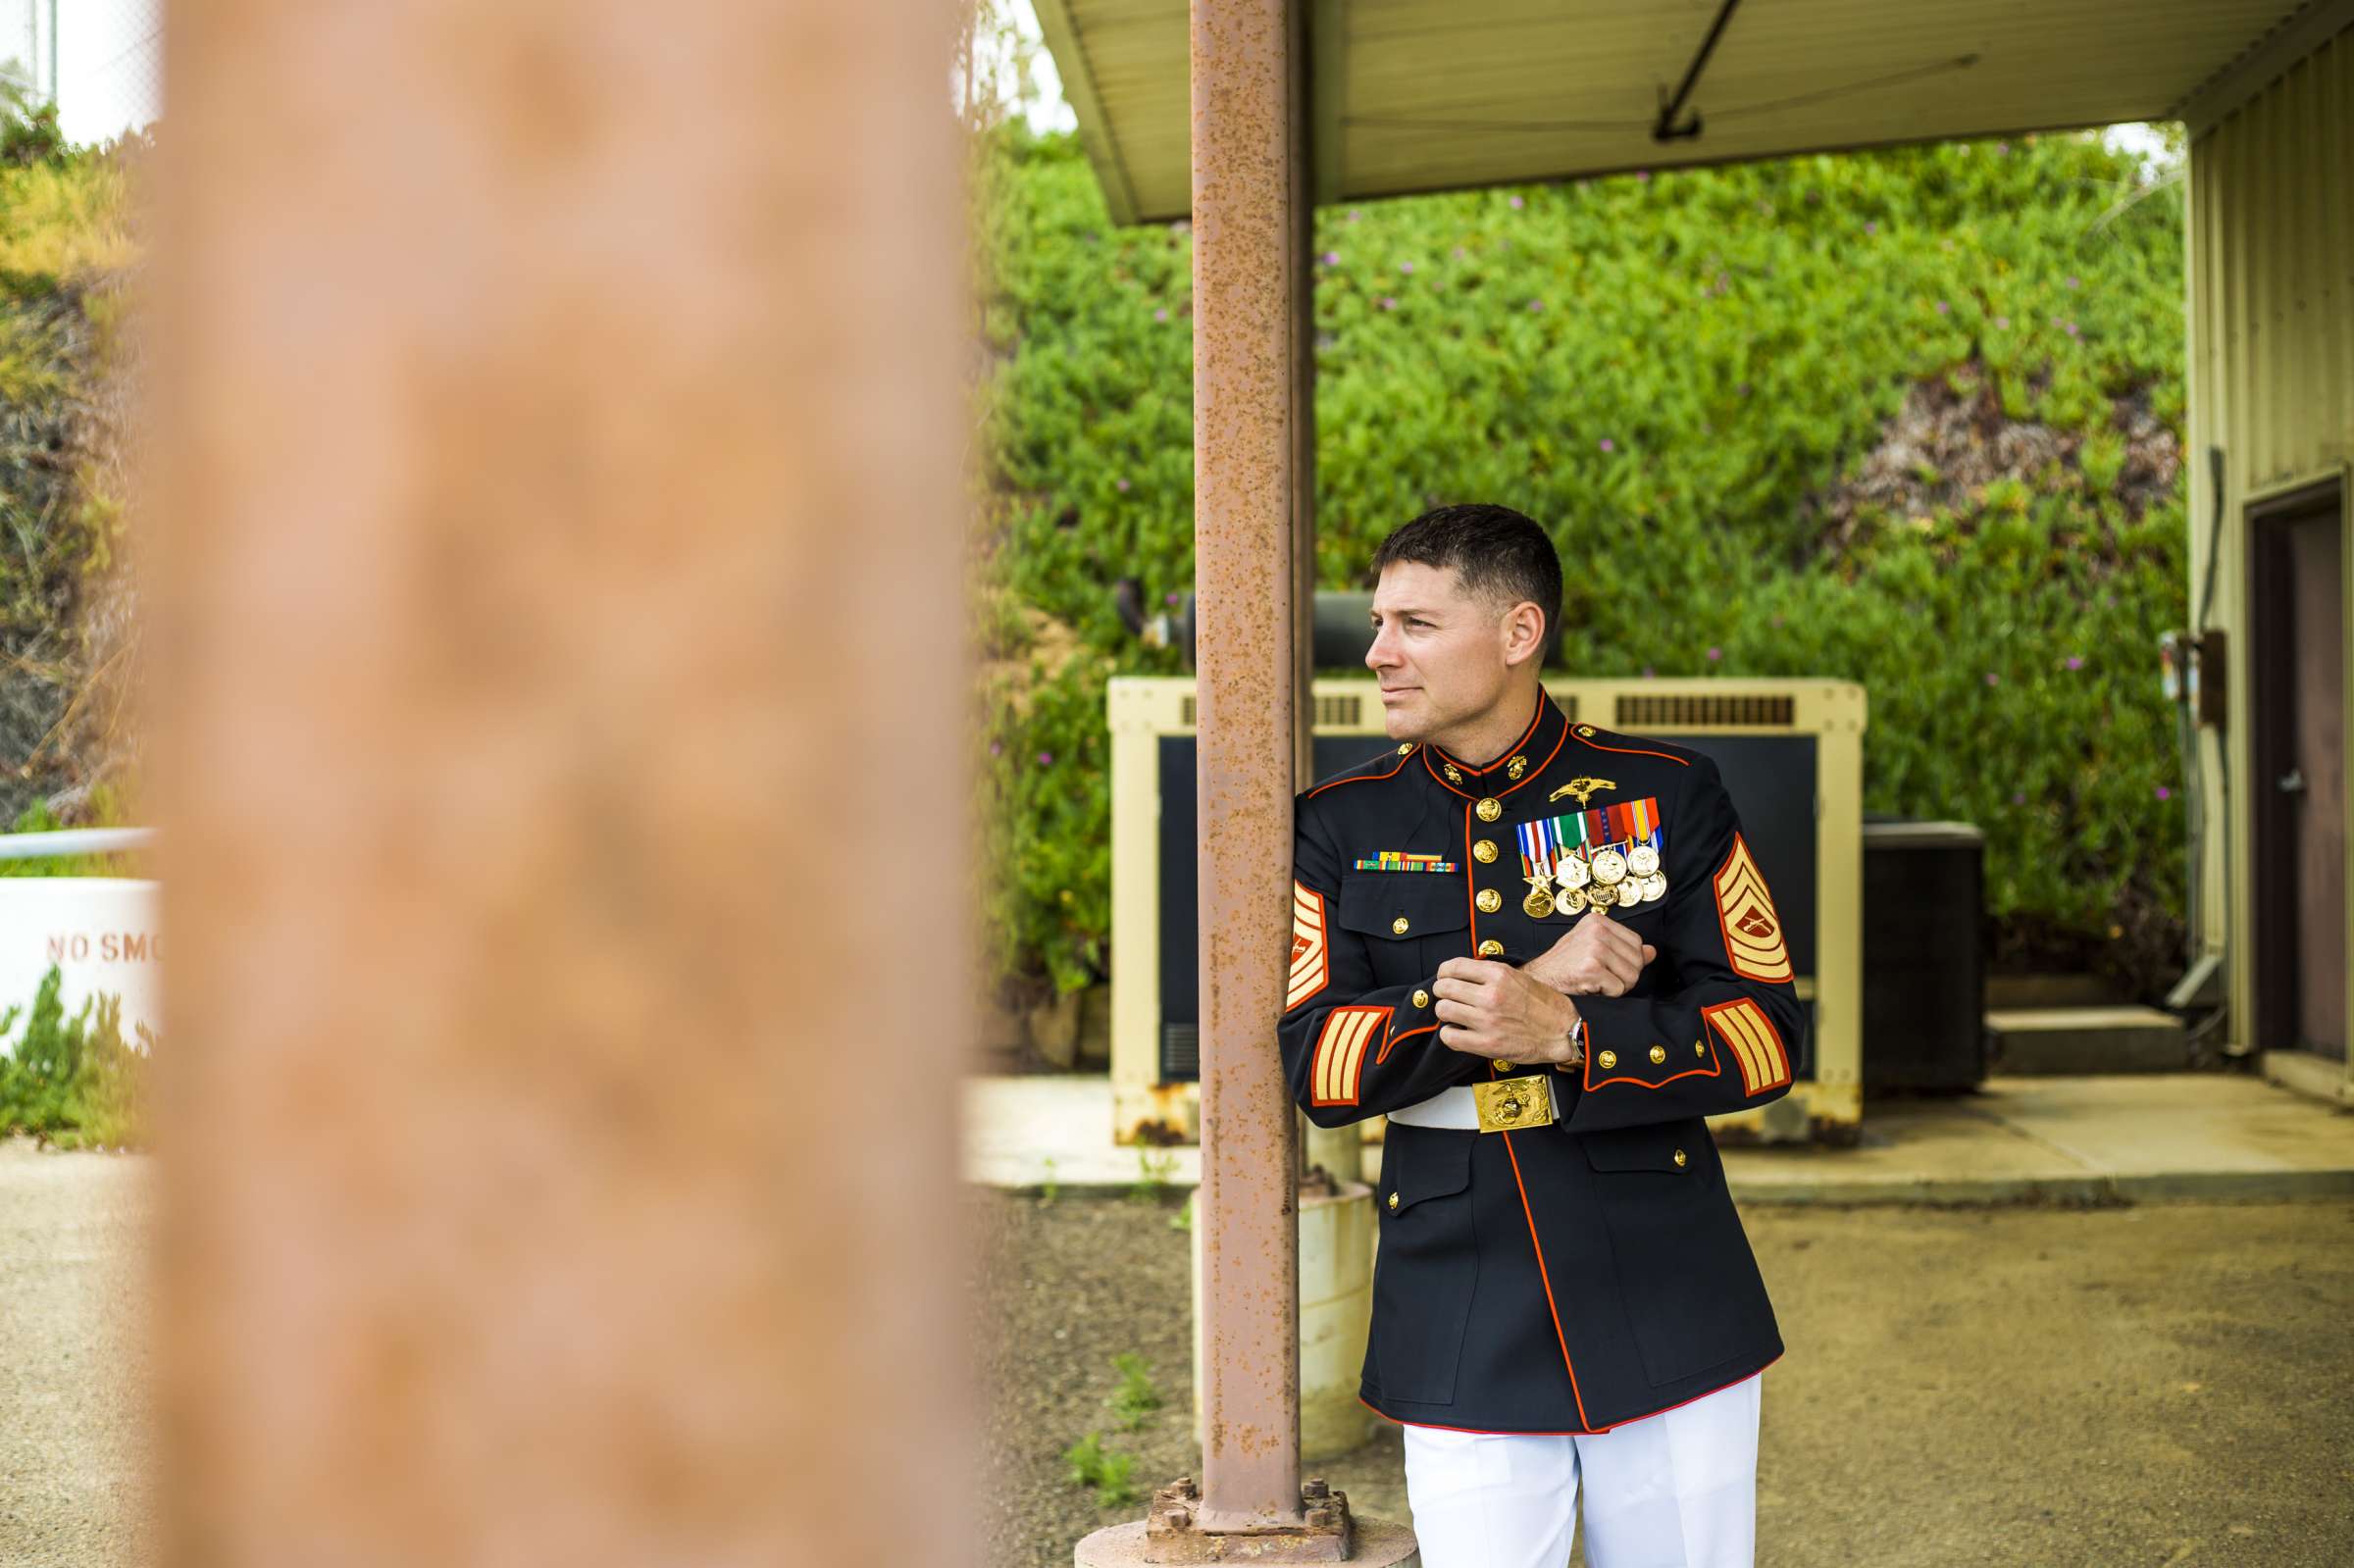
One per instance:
[(1494, 1010), (1595, 955)]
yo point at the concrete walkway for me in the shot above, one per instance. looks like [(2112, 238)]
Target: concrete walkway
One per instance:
[(2140, 1137)]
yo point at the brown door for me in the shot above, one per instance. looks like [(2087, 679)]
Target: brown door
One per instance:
[(2298, 630)]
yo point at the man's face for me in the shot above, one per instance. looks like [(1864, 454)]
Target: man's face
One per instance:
[(1438, 652)]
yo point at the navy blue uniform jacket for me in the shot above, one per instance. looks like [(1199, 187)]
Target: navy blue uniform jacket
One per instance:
[(1560, 1278)]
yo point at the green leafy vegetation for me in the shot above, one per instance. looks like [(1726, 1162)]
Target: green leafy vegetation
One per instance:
[(1136, 1397), (1108, 1471), (73, 1082), (1909, 417)]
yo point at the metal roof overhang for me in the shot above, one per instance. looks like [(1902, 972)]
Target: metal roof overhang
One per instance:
[(1420, 95)]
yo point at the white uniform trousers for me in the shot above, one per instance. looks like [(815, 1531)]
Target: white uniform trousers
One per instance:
[(1675, 1490)]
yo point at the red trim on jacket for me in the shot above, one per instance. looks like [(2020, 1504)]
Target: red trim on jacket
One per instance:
[(1482, 1431), (1584, 733), (1546, 1278), (1359, 778)]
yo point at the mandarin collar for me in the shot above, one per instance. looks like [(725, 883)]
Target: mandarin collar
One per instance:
[(1523, 760)]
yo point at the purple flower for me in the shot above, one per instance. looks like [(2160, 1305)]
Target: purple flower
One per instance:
[(1120, 484), (1388, 303), (1045, 759), (1458, 253), (2001, 147), (1407, 268), (1162, 315), (2019, 797), (2071, 329), (1993, 680), (1744, 388), (2163, 793), (2076, 661), (1332, 258), (1642, 174), (1354, 215), (1942, 307), (2001, 321), (1171, 597), (1715, 654), (1517, 204), (1647, 672), (1871, 228), (2072, 279), (1609, 445), (1775, 619), (996, 748), (1536, 304)]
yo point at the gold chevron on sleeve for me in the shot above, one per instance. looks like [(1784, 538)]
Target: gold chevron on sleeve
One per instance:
[(1310, 970), (1753, 930), (1754, 1041), (1348, 1034)]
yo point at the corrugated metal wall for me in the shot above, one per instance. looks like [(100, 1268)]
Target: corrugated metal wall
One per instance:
[(2270, 269)]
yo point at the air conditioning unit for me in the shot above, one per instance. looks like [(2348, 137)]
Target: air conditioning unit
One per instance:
[(1791, 753)]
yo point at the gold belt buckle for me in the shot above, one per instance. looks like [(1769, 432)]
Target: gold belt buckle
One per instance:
[(1507, 1104)]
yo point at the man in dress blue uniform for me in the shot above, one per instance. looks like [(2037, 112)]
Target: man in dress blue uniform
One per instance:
[(1544, 950)]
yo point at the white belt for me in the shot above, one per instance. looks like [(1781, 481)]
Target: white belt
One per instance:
[(1509, 1103), (1449, 1107)]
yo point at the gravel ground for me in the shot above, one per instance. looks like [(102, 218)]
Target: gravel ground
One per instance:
[(2167, 1384), (73, 1358)]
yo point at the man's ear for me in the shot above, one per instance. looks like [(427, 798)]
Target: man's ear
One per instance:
[(1524, 634)]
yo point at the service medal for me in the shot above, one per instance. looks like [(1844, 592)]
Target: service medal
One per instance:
[(1642, 860), (1573, 872), (1602, 896), (1610, 865), (1655, 886), (1538, 904), (1572, 901)]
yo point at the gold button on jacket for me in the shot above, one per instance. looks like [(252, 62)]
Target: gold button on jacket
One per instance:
[(1489, 900)]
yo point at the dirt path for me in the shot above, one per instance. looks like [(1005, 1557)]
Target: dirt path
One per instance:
[(2161, 1384), (73, 1357)]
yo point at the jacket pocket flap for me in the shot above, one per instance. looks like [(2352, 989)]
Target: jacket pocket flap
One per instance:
[(1429, 1162), (1373, 902), (1649, 1147)]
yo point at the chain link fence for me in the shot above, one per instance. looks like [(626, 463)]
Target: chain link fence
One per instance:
[(101, 62)]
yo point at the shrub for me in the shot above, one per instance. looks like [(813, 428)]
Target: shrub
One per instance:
[(1703, 384)]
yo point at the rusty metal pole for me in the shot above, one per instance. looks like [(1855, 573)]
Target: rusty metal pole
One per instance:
[(1246, 80), (559, 694)]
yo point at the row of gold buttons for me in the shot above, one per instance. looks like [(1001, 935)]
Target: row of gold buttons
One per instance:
[(1607, 1060)]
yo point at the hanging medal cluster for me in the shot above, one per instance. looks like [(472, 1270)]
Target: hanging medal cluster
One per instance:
[(1605, 858)]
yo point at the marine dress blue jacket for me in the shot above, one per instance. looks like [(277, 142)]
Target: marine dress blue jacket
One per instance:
[(1591, 1270)]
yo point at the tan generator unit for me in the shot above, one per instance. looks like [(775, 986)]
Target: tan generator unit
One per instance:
[(1791, 753)]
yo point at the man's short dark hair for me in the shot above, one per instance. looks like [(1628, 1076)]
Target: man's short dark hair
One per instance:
[(1498, 553)]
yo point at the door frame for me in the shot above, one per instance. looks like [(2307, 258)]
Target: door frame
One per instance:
[(2272, 718)]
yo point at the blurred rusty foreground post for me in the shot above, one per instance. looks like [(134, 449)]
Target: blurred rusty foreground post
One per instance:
[(560, 426)]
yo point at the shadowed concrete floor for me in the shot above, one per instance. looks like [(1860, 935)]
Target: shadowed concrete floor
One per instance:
[(2144, 1136)]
